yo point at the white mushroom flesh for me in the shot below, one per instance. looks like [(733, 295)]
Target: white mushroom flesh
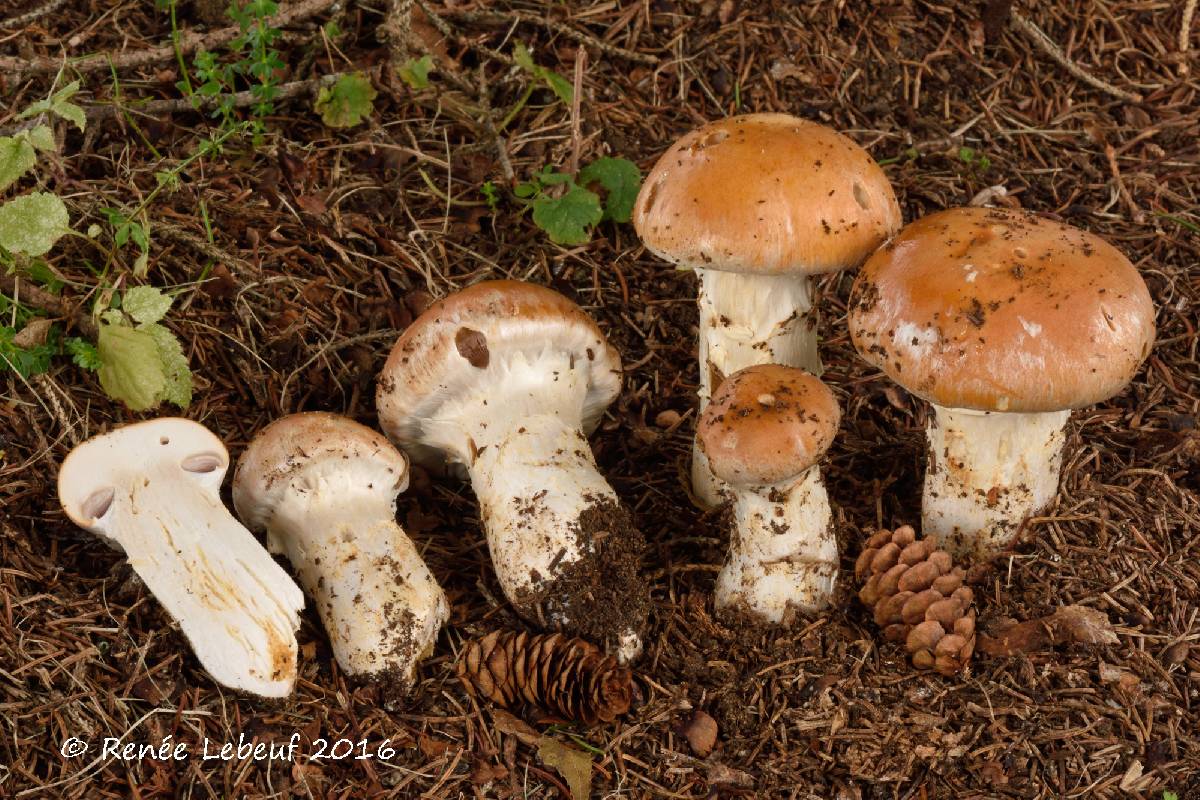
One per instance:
[(236, 606), (987, 473), (380, 604), (783, 558), (521, 438)]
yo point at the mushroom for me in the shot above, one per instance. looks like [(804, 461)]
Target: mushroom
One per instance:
[(151, 490), (502, 381), (324, 489), (763, 433), (1004, 321), (756, 204)]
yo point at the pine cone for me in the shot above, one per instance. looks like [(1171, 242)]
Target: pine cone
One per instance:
[(568, 677), (918, 598)]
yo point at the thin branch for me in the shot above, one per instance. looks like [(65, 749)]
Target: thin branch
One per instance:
[(33, 14), (1185, 29), (188, 43), (30, 295), (566, 30), (1054, 51)]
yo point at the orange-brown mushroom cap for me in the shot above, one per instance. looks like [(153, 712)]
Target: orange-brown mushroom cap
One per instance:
[(767, 424), (1002, 310), (447, 351), (765, 193)]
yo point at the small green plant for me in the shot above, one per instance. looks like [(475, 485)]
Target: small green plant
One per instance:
[(415, 71), (254, 61), (561, 87), (974, 159), (1168, 795), (347, 102), (569, 214), (139, 361)]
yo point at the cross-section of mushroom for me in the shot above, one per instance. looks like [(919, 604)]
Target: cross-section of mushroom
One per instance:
[(502, 381), (152, 490), (756, 205), (324, 489), (763, 433), (1004, 321)]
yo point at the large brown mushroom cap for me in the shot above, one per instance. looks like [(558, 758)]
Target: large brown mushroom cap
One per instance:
[(766, 193), (448, 350), (767, 424), (1001, 310)]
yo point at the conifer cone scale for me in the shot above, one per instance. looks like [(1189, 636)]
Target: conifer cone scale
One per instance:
[(917, 596), (568, 677)]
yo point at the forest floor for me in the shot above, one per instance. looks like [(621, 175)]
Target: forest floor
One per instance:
[(297, 260)]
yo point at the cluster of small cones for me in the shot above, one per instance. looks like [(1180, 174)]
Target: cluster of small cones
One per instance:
[(918, 598), (567, 677)]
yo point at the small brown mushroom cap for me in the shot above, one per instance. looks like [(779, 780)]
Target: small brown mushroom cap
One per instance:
[(767, 424), (1002, 310), (317, 447), (448, 350), (766, 193)]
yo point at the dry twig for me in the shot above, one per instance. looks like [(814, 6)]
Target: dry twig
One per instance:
[(34, 14), (1051, 49), (188, 43), (493, 17)]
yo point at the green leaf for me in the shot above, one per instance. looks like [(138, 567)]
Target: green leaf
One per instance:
[(347, 103), (1168, 795), (40, 272), (131, 367), (83, 353), (525, 190), (621, 180), (415, 71), (71, 113), (16, 158), (523, 57), (25, 361), (568, 219), (42, 138), (146, 304), (966, 154), (558, 84), (178, 389), (32, 223)]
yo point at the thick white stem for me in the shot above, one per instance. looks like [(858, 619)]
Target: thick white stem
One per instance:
[(783, 558), (236, 606), (747, 320), (987, 473), (556, 532), (380, 604)]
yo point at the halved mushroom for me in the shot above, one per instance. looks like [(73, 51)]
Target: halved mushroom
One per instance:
[(756, 205), (324, 489), (502, 381), (151, 490), (763, 434)]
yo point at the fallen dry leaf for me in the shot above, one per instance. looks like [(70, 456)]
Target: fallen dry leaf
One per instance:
[(1067, 624), (573, 764)]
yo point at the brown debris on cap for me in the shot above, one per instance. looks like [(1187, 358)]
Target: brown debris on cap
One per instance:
[(917, 597), (768, 194), (1002, 310), (766, 424)]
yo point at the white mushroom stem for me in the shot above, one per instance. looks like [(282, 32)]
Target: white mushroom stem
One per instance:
[(236, 606), (531, 466), (783, 558), (748, 319), (987, 473), (380, 604)]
